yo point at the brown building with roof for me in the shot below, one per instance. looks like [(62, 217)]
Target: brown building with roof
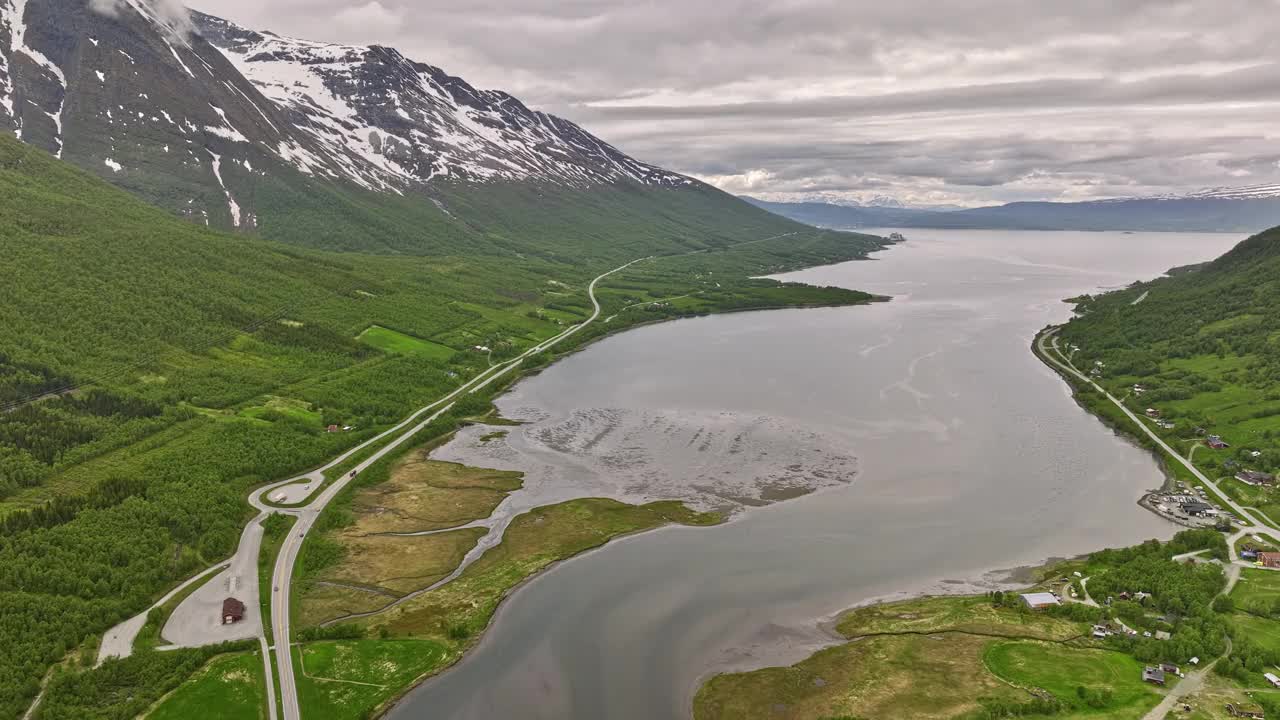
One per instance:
[(232, 611)]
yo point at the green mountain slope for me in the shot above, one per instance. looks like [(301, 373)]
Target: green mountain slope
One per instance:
[(1204, 348), (1231, 304), (204, 364), (332, 146)]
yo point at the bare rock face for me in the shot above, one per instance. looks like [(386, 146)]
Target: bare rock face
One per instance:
[(445, 127)]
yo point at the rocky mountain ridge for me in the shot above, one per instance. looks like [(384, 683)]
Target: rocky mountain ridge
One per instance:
[(222, 124)]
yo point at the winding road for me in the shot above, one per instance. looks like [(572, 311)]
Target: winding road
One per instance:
[(1194, 679), (282, 575), (119, 640), (1053, 354)]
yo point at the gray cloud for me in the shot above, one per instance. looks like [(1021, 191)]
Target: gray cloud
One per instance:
[(172, 13), (980, 101)]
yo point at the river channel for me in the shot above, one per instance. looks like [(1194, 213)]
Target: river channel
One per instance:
[(936, 452)]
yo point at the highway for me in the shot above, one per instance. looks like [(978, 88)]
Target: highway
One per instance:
[(119, 642), (282, 574), (1194, 679), (1053, 354)]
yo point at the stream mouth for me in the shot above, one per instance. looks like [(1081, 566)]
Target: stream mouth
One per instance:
[(865, 453)]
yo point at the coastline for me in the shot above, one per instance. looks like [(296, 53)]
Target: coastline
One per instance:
[(1019, 579), (484, 635), (1120, 429), (824, 624)]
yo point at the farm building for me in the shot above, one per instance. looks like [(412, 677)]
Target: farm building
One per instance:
[(1039, 600), (1271, 678), (232, 611), (1255, 478), (1197, 508), (1269, 559)]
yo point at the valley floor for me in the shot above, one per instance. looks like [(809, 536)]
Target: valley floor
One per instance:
[(400, 527)]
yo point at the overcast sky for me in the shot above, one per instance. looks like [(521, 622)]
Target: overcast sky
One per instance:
[(926, 101)]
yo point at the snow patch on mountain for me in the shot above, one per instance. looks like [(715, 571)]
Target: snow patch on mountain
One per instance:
[(385, 122), (1250, 192), (232, 206), (1246, 192), (850, 199), (6, 77), (13, 15)]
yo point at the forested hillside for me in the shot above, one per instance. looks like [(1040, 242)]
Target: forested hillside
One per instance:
[(1228, 307), (153, 371), (1201, 349)]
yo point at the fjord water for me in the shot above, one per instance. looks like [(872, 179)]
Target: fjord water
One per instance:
[(971, 458)]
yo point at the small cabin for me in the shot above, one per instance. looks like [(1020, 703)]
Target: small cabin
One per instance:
[(232, 611), (1153, 675)]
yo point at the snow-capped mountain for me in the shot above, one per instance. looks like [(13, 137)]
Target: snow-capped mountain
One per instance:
[(414, 122), (1248, 192), (219, 122), (1238, 209), (841, 199)]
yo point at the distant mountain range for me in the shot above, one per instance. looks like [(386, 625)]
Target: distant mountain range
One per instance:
[(1241, 209)]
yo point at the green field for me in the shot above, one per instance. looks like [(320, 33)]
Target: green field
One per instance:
[(449, 619), (277, 408), (1257, 588), (399, 343), (964, 614), (348, 680), (230, 687), (989, 656), (1263, 632), (1062, 670)]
